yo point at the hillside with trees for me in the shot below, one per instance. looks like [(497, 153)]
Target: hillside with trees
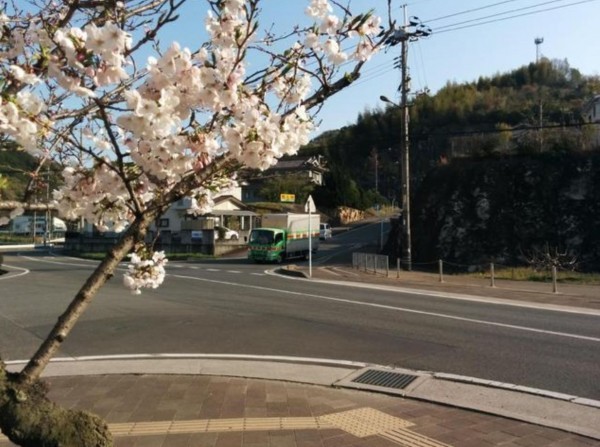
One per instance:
[(15, 167), (23, 179), (501, 168), (490, 117)]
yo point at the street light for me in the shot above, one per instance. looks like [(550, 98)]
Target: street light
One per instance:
[(405, 239)]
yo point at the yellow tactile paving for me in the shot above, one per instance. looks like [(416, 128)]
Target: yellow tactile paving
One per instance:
[(218, 425), (411, 439), (364, 422)]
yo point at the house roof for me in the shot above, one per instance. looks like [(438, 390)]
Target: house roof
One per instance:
[(589, 104), (314, 163), (230, 213), (10, 205), (233, 200)]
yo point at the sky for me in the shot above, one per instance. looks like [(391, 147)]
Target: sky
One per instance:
[(569, 29)]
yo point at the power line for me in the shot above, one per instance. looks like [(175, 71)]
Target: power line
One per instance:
[(422, 72), (468, 11), (377, 71), (456, 28), (502, 13), (370, 76)]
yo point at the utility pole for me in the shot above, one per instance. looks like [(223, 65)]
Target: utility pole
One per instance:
[(405, 87), (538, 42), (411, 30), (375, 155), (48, 228)]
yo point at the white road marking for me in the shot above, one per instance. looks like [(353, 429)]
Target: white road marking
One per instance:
[(47, 261), (233, 271), (15, 275), (374, 305), (400, 309), (447, 295)]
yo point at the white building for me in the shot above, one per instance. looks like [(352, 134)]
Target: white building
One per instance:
[(591, 114)]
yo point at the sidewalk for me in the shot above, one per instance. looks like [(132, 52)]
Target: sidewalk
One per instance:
[(570, 295), (225, 402)]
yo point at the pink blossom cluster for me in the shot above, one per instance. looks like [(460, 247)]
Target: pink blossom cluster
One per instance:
[(129, 136), (146, 270), (98, 196), (332, 26), (76, 60)]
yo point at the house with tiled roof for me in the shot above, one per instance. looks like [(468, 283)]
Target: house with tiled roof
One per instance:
[(311, 168)]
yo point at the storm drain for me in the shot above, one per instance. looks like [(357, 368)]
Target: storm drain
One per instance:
[(387, 379)]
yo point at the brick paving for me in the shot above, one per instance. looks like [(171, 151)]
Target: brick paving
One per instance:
[(242, 406)]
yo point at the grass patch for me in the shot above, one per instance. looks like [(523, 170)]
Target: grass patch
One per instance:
[(93, 256), (188, 256), (7, 239), (528, 274)]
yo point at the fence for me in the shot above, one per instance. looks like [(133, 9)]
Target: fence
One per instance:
[(80, 243), (379, 265), (369, 262)]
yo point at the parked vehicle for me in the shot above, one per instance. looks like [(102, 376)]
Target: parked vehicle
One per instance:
[(25, 225), (325, 231), (283, 236), (226, 233)]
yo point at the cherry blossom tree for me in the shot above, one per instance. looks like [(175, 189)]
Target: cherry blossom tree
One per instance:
[(135, 133)]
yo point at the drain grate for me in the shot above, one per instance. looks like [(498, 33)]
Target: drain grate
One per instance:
[(387, 379)]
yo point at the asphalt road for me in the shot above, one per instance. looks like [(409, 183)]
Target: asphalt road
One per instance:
[(234, 307)]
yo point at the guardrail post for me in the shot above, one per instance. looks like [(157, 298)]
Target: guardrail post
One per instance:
[(554, 280), (387, 267), (441, 268), (397, 267), (492, 275)]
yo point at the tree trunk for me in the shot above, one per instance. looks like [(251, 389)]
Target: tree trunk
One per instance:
[(27, 417), (83, 298)]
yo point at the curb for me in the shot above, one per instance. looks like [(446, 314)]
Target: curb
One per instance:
[(420, 289), (290, 271)]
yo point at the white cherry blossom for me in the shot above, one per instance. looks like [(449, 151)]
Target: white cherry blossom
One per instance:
[(146, 270), (22, 76), (177, 119), (318, 9)]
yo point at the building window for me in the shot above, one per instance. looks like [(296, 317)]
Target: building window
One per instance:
[(163, 223)]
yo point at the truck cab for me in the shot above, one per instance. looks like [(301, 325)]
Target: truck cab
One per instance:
[(267, 245), (284, 236)]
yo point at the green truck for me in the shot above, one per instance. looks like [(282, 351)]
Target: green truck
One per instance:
[(284, 236)]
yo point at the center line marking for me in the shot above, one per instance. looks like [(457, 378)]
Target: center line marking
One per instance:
[(399, 309)]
